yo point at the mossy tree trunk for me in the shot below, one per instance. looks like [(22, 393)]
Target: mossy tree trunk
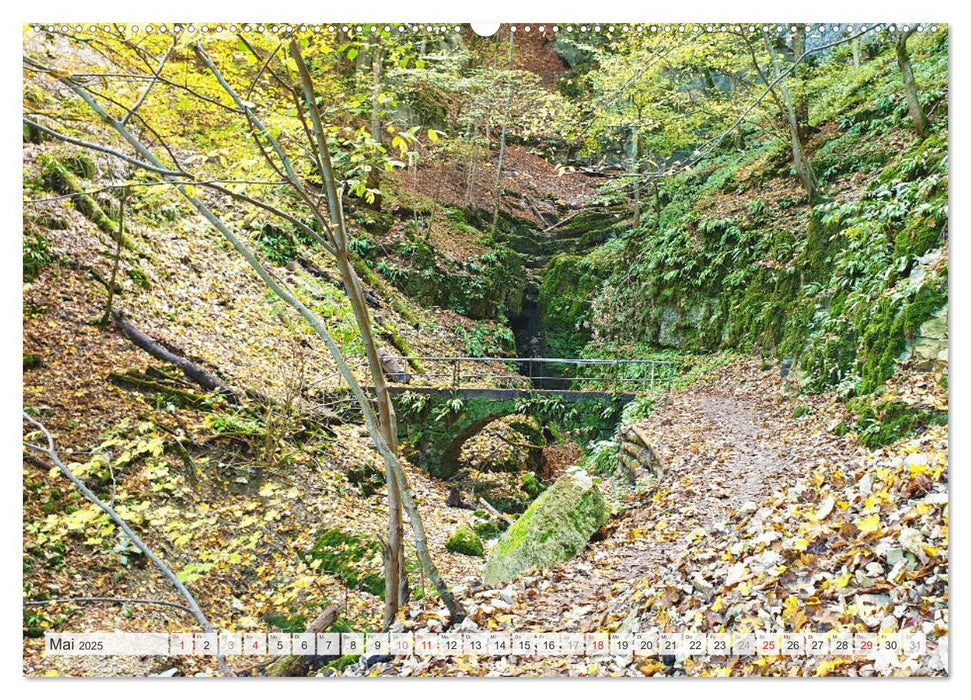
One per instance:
[(800, 161), (917, 116)]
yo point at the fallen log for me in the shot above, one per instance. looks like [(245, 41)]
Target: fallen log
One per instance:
[(192, 371), (489, 507), (139, 382), (300, 666)]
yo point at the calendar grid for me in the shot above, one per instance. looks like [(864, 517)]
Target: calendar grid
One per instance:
[(454, 644)]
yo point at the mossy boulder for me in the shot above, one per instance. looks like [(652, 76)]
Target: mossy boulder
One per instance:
[(554, 529), (465, 541)]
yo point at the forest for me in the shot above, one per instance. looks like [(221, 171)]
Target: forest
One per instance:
[(567, 329)]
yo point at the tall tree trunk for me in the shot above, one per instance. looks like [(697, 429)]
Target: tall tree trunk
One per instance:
[(502, 139), (635, 168), (473, 159), (921, 124), (800, 103), (857, 45), (376, 74), (377, 70), (801, 164), (386, 439)]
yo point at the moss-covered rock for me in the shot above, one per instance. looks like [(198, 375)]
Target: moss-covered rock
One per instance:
[(554, 529), (882, 422), (465, 541)]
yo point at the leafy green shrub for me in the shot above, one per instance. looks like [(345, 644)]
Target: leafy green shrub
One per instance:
[(484, 340), (362, 246), (277, 244), (602, 457), (37, 253)]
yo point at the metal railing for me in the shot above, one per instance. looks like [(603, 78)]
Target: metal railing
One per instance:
[(536, 372)]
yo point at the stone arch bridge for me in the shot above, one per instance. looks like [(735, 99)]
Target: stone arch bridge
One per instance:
[(452, 398)]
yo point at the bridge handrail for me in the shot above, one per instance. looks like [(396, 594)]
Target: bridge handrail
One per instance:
[(557, 360)]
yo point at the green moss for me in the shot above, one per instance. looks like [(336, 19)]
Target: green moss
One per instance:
[(800, 411), (341, 663), (881, 423), (465, 541), (287, 623), (490, 529), (569, 282), (894, 323), (376, 223), (81, 165), (353, 559), (390, 332), (60, 178), (367, 478), (138, 276)]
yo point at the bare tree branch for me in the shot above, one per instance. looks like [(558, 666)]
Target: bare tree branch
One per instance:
[(104, 149), (102, 599), (150, 85)]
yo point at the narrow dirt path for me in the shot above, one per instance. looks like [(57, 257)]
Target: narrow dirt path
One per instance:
[(725, 444), (720, 452)]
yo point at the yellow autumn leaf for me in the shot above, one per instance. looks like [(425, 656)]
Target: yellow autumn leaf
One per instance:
[(844, 580), (827, 666), (696, 534), (869, 523)]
